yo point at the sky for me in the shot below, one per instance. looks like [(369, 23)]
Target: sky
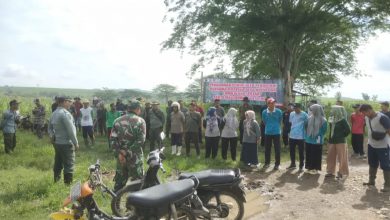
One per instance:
[(117, 45)]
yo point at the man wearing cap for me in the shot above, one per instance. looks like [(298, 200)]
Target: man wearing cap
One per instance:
[(62, 132), (385, 108), (87, 123), (358, 122), (272, 118), (38, 118), (297, 135), (127, 139), (157, 120), (378, 126), (243, 108), (8, 124)]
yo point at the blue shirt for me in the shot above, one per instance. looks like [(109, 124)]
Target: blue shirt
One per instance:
[(297, 125), (319, 138), (8, 122), (272, 121)]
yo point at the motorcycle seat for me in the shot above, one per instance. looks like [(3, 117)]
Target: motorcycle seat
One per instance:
[(212, 177), (162, 195)]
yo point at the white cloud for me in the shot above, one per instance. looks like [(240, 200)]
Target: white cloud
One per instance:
[(18, 71)]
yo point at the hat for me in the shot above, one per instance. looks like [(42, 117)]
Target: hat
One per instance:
[(13, 102), (385, 103), (85, 101), (245, 99), (155, 103), (63, 98), (134, 105), (297, 105), (270, 100), (356, 106)]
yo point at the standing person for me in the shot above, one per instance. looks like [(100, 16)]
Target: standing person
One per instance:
[(378, 126), (55, 104), (95, 102), (357, 130), (168, 111), (338, 149), (177, 128), (385, 108), (312, 102), (262, 125), (110, 118), (157, 120), (297, 135), (192, 124), (243, 108), (212, 133), (38, 118), (146, 117), (62, 132), (287, 124), (101, 118), (272, 118), (9, 123), (120, 107), (249, 154), (182, 107), (87, 123), (200, 110), (219, 109), (127, 139), (229, 133), (316, 127), (77, 106)]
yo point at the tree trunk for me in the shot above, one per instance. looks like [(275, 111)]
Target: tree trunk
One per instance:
[(285, 67)]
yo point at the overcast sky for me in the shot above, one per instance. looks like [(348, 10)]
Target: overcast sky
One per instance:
[(116, 44)]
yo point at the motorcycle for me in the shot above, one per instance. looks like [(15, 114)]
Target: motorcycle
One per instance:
[(166, 201), (220, 191)]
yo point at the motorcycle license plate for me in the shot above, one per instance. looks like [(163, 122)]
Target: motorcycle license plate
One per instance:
[(75, 191)]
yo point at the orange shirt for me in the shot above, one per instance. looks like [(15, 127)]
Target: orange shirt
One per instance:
[(357, 123)]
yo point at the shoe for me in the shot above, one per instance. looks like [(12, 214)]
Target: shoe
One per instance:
[(276, 167), (265, 166), (253, 166), (300, 170), (371, 177), (292, 167), (363, 156), (329, 175), (178, 151), (173, 150), (313, 172)]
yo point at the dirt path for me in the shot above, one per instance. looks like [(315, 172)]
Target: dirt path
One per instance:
[(286, 194)]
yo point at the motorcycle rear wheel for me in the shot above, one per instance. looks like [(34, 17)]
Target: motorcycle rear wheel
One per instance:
[(230, 208)]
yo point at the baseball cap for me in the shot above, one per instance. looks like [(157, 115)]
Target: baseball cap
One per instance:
[(270, 100)]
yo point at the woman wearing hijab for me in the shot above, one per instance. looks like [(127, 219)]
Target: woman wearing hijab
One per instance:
[(212, 133), (316, 127), (250, 139), (339, 130), (229, 134)]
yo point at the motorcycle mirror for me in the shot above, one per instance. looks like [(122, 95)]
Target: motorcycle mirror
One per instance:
[(162, 135)]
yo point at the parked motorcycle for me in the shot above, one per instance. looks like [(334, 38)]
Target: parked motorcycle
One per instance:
[(220, 191), (166, 201)]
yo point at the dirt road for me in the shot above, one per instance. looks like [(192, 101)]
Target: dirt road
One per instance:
[(286, 194)]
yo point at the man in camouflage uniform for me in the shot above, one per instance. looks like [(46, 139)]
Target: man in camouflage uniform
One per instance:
[(127, 138), (38, 118), (62, 132)]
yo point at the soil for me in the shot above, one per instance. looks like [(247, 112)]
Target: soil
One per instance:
[(289, 194)]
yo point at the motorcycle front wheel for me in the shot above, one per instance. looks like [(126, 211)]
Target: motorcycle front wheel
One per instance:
[(225, 205), (118, 203)]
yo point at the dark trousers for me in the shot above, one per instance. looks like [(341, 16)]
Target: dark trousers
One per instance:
[(275, 139), (301, 148), (155, 138), (176, 139), (241, 128), (200, 135), (313, 156), (225, 146), (379, 156), (357, 143), (192, 136), (102, 127), (64, 158), (285, 134), (9, 142), (212, 146), (38, 130), (262, 133), (87, 131)]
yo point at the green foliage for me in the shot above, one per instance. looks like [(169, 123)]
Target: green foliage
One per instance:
[(365, 96), (164, 91), (304, 42), (107, 95)]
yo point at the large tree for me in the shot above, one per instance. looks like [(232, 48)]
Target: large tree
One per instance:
[(164, 91), (307, 43)]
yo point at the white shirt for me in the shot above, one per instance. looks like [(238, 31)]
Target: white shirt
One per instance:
[(86, 116)]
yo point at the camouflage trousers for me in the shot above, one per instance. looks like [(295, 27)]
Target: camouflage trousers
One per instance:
[(133, 170)]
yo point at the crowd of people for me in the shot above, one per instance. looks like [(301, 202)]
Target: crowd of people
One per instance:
[(128, 126)]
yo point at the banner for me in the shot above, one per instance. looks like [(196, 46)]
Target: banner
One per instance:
[(232, 91)]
